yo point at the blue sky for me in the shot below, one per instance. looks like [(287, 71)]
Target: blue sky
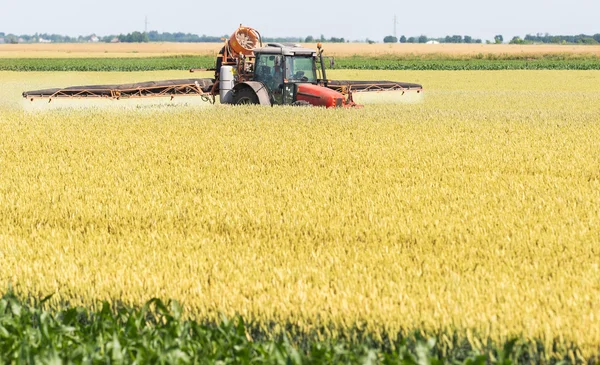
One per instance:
[(367, 19)]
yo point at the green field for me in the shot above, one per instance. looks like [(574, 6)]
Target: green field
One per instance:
[(159, 333), (385, 62)]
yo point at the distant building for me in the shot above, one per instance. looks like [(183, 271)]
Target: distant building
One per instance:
[(42, 40), (433, 42), (94, 39), (21, 40), (114, 40), (2, 40)]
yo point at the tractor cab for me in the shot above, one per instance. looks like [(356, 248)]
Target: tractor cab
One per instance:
[(282, 68), (287, 75)]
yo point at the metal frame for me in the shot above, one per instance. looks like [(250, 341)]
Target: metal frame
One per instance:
[(349, 88), (138, 92)]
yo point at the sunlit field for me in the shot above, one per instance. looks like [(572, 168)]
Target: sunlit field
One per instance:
[(475, 212), (111, 50)]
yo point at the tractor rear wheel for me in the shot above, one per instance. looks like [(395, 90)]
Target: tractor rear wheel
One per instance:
[(245, 96)]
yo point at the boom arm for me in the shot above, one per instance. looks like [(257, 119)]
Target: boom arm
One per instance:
[(137, 90)]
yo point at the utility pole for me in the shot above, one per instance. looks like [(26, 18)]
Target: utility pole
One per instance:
[(395, 23), (146, 25)]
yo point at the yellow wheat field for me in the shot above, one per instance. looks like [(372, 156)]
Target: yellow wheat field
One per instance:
[(477, 211), (111, 50)]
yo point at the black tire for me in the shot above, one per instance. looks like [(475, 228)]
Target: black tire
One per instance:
[(301, 103), (245, 96)]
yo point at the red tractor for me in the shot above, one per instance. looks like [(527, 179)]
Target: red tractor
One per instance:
[(249, 73)]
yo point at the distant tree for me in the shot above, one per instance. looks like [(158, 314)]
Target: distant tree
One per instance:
[(402, 39), (370, 41), (309, 39), (390, 39), (411, 40), (322, 39), (2, 34), (422, 39), (467, 39), (153, 36), (587, 40), (135, 37), (516, 40), (498, 39)]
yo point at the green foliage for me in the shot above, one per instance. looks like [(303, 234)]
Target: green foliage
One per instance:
[(518, 40), (562, 39), (158, 333), (477, 62), (135, 37), (390, 39), (154, 36), (446, 39), (588, 40), (107, 64)]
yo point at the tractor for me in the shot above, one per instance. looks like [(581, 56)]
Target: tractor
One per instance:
[(248, 72)]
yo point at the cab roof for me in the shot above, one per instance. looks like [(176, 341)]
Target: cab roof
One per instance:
[(285, 50)]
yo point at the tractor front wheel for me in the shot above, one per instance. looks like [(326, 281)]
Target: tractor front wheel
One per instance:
[(245, 96)]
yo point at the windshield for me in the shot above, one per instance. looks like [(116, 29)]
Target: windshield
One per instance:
[(300, 68)]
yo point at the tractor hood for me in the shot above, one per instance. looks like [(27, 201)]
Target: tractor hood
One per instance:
[(320, 96)]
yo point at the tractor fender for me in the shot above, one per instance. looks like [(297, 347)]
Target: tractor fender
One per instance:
[(259, 88)]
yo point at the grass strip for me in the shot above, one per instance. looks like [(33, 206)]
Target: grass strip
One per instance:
[(355, 63), (157, 333)]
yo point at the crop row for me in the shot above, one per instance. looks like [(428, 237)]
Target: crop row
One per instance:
[(106, 64), (356, 63), (473, 65), (158, 333)]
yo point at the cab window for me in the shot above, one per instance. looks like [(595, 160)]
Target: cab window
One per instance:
[(268, 68), (300, 69)]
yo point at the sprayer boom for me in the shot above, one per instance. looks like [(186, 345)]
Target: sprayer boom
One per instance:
[(136, 90)]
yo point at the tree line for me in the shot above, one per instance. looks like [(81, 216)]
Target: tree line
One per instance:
[(557, 39), (528, 39), (425, 39), (152, 36), (133, 37)]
